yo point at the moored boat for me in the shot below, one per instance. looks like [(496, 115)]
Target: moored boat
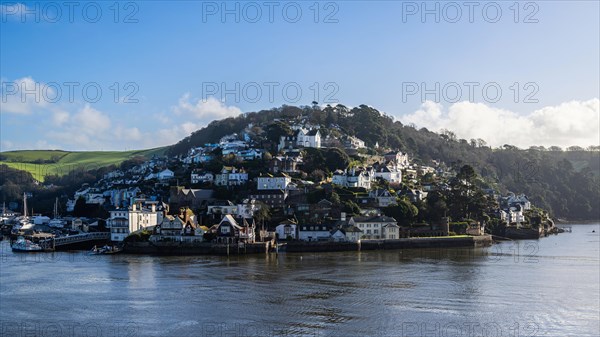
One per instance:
[(105, 250), (24, 245)]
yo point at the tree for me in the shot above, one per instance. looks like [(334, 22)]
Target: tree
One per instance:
[(262, 212), (466, 173), (335, 198), (317, 175), (350, 207), (336, 159), (436, 206), (404, 212), (278, 129)]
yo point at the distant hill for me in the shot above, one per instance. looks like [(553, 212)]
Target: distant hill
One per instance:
[(41, 163)]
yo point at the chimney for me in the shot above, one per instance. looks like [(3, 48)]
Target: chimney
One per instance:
[(343, 216), (153, 208)]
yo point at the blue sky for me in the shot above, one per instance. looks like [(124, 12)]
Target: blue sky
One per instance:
[(171, 62)]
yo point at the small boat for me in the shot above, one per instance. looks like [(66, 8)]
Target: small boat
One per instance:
[(24, 245), (105, 250)]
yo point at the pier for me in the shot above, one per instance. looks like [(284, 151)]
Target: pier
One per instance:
[(71, 240)]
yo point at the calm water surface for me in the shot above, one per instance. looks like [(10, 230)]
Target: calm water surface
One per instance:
[(545, 288)]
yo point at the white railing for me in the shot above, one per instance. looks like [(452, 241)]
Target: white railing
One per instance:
[(64, 240)]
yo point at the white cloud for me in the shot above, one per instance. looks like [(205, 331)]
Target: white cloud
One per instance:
[(60, 117), (204, 111), (24, 95), (90, 121), (87, 129), (128, 134), (189, 116), (570, 123), (6, 145)]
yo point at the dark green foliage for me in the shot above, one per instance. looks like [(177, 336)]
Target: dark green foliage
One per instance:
[(405, 212), (329, 159)]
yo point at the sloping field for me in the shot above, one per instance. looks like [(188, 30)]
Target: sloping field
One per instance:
[(34, 161)]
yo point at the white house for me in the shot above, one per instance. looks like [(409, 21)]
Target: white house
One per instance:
[(515, 215), (398, 157), (278, 181), (354, 177), (250, 154), (286, 229), (352, 142), (513, 200), (376, 227), (383, 197), (141, 217), (353, 233), (231, 176), (118, 224), (308, 138), (165, 174), (201, 177), (338, 235), (391, 231), (391, 173), (314, 232)]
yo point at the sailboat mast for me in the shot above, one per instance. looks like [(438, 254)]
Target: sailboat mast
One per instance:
[(56, 208), (25, 204)]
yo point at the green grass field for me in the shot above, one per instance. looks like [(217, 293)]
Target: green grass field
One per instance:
[(68, 161)]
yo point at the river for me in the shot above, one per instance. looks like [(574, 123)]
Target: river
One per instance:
[(547, 287)]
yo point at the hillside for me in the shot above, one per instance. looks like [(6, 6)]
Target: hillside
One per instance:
[(565, 182), (41, 163)]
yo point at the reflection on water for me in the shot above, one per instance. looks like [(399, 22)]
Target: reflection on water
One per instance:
[(529, 288)]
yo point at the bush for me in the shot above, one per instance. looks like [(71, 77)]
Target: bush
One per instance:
[(142, 236)]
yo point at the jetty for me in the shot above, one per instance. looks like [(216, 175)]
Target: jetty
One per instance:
[(84, 240)]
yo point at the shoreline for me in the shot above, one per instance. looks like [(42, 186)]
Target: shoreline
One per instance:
[(576, 222), (146, 248)]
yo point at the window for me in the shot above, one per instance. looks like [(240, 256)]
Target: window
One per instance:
[(368, 225), (368, 231)]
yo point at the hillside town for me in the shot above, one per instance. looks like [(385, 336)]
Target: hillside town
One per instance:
[(312, 184)]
